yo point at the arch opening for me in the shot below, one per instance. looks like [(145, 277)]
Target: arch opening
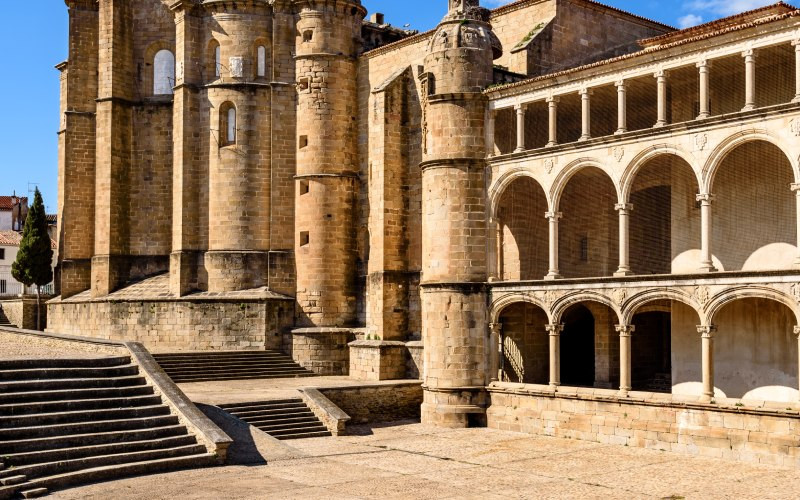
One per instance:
[(589, 230), (163, 72), (524, 231), (589, 346), (526, 353), (754, 208)]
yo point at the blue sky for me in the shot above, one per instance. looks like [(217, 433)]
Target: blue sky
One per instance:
[(36, 43)]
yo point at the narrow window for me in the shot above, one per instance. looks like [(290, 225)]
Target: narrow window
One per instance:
[(227, 124), (217, 61), (163, 73), (303, 84), (308, 35), (304, 188), (261, 70), (303, 141), (304, 238)]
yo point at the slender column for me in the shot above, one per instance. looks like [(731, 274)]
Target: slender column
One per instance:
[(796, 189), (553, 217), (796, 45), (520, 109), (750, 79), (554, 331), (622, 107), (624, 210), (797, 334), (707, 262), (625, 332), (552, 119), (661, 83), (707, 336), (705, 94), (498, 251), (490, 122), (496, 330), (586, 114)]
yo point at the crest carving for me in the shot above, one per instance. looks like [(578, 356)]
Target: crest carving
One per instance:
[(619, 296), (619, 152), (701, 140), (549, 164), (796, 291), (702, 294), (795, 127)]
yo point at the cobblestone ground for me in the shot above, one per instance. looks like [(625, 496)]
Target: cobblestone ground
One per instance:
[(18, 347), (416, 461)]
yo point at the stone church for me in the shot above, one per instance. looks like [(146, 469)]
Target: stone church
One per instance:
[(553, 213)]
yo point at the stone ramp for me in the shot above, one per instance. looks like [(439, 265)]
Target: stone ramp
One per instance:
[(282, 419), (73, 421), (187, 367)]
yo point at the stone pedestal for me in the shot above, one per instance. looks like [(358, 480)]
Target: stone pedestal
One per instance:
[(377, 360), (322, 350)]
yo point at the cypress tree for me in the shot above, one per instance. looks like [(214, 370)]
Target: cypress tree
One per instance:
[(34, 264)]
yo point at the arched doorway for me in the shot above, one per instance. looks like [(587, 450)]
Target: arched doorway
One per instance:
[(526, 351), (521, 215), (589, 346)]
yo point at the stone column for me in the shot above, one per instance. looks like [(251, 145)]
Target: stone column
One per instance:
[(553, 273), (797, 334), (554, 330), (552, 119), (490, 123), (661, 83), (707, 261), (707, 333), (624, 210), (622, 107), (705, 95), (750, 80), (796, 45), (625, 332), (586, 114), (498, 251), (520, 111), (796, 190), (496, 363)]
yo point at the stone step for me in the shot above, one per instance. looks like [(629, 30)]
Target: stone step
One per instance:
[(67, 373), (293, 419), (74, 417), (48, 443), (41, 396), (266, 410), (34, 493), (43, 431), (237, 406), (70, 383), (304, 435), (277, 429), (33, 471), (238, 371), (105, 473), (279, 418), (220, 359), (13, 480), (253, 419), (78, 404), (229, 365), (33, 457), (218, 367), (187, 380), (216, 354), (22, 364)]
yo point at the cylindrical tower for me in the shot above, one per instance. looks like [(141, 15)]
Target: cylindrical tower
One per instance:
[(239, 166), (454, 234), (328, 34)]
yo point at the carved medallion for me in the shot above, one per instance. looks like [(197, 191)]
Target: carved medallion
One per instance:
[(549, 164), (619, 296), (702, 294), (619, 152), (237, 67), (796, 291), (795, 127), (701, 140)]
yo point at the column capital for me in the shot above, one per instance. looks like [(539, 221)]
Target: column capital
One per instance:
[(625, 330), (797, 331), (704, 64), (796, 44), (795, 187), (662, 73), (623, 207), (554, 329), (706, 198), (748, 53), (620, 84), (496, 328), (519, 107), (707, 331), (553, 99), (553, 215), (585, 92)]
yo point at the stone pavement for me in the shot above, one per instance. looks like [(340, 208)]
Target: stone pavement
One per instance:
[(417, 461)]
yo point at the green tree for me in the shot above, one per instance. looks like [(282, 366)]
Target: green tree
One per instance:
[(34, 264)]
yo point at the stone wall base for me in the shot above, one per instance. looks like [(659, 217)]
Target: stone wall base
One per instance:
[(177, 325), (322, 350), (22, 312), (384, 402), (377, 360), (764, 433)]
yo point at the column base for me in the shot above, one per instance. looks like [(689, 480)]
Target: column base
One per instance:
[(703, 116), (707, 268), (749, 107), (660, 124), (456, 408), (621, 131), (796, 98), (624, 392), (552, 277), (520, 150), (623, 272), (551, 144), (584, 138)]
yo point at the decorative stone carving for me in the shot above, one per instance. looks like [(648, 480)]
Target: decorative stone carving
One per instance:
[(549, 297), (619, 153), (549, 165), (237, 67), (794, 127), (701, 140), (702, 295), (619, 296), (796, 292)]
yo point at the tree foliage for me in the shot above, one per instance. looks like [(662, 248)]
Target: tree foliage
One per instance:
[(35, 257)]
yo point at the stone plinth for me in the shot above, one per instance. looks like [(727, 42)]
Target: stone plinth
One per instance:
[(377, 360), (322, 350)]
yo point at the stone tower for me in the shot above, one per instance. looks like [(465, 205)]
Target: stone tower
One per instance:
[(328, 38), (454, 254)]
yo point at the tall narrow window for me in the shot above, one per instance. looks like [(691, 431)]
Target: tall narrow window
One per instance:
[(163, 73), (261, 66), (227, 124), (231, 125), (217, 61)]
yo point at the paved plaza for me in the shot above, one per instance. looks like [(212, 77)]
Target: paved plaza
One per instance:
[(417, 461)]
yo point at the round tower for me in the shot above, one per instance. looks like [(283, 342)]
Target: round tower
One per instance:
[(454, 234), (328, 36), (239, 144)]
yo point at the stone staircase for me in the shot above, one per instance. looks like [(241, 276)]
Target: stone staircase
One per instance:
[(72, 421), (229, 365), (3, 319), (281, 419)]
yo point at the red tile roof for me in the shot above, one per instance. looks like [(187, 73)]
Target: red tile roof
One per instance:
[(5, 202), (13, 239)]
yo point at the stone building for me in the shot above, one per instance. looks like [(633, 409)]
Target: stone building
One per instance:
[(552, 209)]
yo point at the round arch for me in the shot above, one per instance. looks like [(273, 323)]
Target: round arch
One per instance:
[(728, 145), (504, 181), (744, 292), (633, 304), (569, 171), (501, 304), (569, 300), (647, 155)]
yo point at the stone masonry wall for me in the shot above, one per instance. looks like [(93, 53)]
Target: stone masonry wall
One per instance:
[(763, 435), (177, 325), (371, 404), (22, 313), (377, 360)]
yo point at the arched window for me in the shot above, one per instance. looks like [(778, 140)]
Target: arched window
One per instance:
[(163, 73), (261, 64), (217, 61), (227, 125)]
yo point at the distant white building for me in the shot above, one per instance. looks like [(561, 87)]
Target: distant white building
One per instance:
[(13, 211), (9, 247)]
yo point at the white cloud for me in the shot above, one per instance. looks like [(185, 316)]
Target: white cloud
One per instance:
[(725, 7), (689, 20)]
